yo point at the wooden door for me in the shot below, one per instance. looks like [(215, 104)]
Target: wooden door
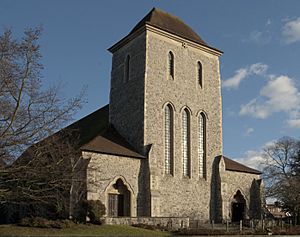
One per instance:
[(113, 205)]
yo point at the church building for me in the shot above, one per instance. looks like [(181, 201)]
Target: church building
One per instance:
[(156, 149)]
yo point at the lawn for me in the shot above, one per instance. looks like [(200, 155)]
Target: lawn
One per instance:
[(79, 230)]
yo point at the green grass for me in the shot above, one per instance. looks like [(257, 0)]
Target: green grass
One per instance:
[(80, 230)]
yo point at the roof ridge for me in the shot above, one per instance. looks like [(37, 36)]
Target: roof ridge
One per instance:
[(166, 21)]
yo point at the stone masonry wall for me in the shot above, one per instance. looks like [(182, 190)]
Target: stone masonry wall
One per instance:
[(104, 170), (177, 195), (231, 182), (126, 105), (172, 223)]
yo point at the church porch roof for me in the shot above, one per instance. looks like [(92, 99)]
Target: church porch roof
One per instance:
[(232, 165)]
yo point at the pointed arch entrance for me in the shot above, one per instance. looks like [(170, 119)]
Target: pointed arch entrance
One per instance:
[(238, 207), (119, 199)]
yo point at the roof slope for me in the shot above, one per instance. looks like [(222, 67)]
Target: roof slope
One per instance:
[(169, 23), (91, 125), (111, 142), (166, 22), (94, 134), (235, 166)]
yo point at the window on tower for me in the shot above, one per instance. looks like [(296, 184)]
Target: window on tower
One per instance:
[(169, 139), (199, 74), (186, 142), (202, 145), (171, 65)]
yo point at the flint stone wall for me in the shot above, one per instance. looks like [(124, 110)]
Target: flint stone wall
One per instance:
[(104, 170), (167, 222), (177, 195), (231, 182)]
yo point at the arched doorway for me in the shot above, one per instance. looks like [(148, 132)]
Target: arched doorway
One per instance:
[(119, 199), (238, 207)]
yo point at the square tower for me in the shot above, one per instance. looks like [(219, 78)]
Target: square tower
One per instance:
[(166, 92)]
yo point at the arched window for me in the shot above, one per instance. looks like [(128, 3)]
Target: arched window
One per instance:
[(199, 74), (171, 65), (127, 69), (186, 142), (202, 145), (169, 139)]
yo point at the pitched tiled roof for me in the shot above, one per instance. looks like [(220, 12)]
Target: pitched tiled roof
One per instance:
[(235, 166), (97, 135), (169, 23), (94, 134), (111, 142), (91, 125)]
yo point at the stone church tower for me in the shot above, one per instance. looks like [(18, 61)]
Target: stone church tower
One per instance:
[(161, 67), (156, 149)]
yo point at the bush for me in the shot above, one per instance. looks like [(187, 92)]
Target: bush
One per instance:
[(95, 211), (45, 223), (80, 211)]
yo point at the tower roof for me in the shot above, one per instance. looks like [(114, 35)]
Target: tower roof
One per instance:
[(166, 22), (169, 23)]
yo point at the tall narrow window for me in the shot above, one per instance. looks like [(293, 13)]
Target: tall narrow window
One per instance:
[(168, 139), (186, 142), (199, 74), (202, 146), (127, 69), (171, 65)]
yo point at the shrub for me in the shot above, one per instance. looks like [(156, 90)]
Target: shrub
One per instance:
[(45, 223), (80, 212), (35, 222), (27, 222), (95, 211)]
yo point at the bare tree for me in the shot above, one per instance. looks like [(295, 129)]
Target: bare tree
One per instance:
[(47, 180), (27, 112), (281, 172), (47, 174)]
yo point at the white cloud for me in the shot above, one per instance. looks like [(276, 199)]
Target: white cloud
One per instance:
[(258, 68), (242, 73), (282, 93), (259, 37), (269, 22), (279, 95), (235, 81), (255, 158), (291, 31), (249, 131), (255, 109), (294, 123), (252, 159)]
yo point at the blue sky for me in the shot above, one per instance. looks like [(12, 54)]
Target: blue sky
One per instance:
[(260, 68)]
